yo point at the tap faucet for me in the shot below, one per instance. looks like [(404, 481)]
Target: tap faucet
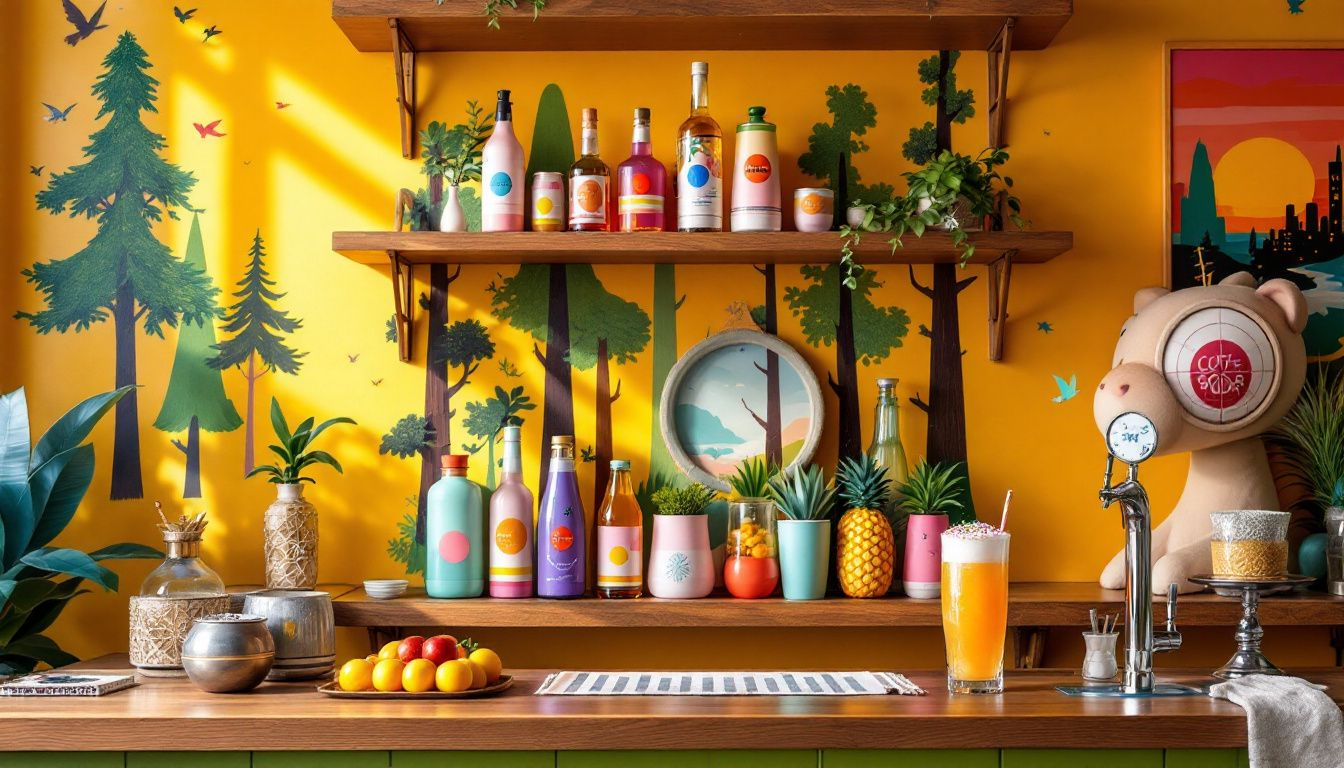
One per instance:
[(1141, 641)]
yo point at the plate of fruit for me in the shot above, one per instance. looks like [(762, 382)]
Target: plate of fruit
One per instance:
[(416, 667)]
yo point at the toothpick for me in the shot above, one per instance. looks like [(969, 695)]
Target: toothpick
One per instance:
[(159, 508), (1092, 617), (1007, 501)]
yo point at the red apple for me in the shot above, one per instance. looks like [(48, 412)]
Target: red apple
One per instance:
[(441, 648), (409, 649)]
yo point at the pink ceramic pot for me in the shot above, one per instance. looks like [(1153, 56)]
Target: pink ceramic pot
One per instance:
[(923, 571), (680, 563)]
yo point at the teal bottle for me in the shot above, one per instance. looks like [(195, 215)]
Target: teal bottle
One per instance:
[(454, 524)]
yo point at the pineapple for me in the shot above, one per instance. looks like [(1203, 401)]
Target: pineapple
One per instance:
[(864, 545)]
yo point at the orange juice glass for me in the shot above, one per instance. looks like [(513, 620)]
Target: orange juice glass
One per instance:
[(975, 606)]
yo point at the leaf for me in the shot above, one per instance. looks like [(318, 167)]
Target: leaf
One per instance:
[(15, 665), (274, 470), (44, 615), (28, 593), (14, 447), (278, 422), (316, 457), (329, 423), (72, 562), (57, 488), (71, 429), (6, 589), (40, 648), (126, 551)]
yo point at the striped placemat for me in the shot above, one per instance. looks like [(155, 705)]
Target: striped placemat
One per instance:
[(727, 684)]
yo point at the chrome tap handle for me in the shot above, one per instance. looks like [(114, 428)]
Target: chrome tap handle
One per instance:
[(1171, 608), (1169, 639), (1106, 496)]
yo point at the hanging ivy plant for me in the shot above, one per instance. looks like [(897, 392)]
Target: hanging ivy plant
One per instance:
[(494, 7)]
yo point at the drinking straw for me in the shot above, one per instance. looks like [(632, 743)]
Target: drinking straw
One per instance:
[(1092, 616), (1007, 501)]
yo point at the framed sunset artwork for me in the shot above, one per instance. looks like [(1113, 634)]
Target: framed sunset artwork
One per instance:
[(1253, 173)]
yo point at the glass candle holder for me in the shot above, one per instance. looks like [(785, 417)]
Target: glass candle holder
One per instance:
[(1334, 550), (1250, 543), (751, 569)]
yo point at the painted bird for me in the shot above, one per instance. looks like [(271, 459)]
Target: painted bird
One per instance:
[(83, 26), (375, 382), (281, 105), (208, 129), (1067, 389), (1295, 6), (210, 32), (354, 357), (182, 15), (36, 170), (1045, 327), (55, 115)]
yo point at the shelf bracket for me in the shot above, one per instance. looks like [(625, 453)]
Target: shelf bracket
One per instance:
[(403, 60), (1000, 273), (999, 53), (403, 281), (1028, 647)]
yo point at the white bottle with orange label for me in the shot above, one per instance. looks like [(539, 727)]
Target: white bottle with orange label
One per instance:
[(756, 203), (511, 525)]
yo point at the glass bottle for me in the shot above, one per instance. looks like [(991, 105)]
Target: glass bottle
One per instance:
[(588, 181), (561, 566), (454, 523), (751, 569), (699, 161), (620, 538), (641, 179), (886, 449), (511, 525), (182, 573), (502, 173)]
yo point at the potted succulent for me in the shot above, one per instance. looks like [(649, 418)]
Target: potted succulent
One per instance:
[(680, 562), (805, 503), (864, 544), (930, 493), (290, 528), (953, 193)]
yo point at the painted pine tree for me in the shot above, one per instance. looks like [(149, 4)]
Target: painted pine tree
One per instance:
[(195, 399), (258, 327), (662, 469), (124, 271)]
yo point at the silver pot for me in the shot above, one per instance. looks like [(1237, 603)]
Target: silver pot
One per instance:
[(303, 628), (228, 652)]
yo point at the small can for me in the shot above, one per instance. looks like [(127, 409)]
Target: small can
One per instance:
[(548, 201), (813, 209)]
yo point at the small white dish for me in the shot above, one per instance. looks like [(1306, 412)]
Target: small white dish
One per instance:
[(385, 589)]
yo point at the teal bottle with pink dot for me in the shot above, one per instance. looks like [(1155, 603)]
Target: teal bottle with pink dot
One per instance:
[(454, 524)]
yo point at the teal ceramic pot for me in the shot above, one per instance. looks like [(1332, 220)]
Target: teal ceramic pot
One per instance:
[(804, 558), (1311, 557)]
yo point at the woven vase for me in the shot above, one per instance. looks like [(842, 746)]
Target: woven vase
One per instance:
[(291, 540), (160, 624)]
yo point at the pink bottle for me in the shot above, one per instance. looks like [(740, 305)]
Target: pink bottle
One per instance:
[(511, 525), (642, 180), (502, 174), (923, 571)]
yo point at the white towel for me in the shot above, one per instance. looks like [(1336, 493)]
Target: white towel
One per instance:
[(1292, 723)]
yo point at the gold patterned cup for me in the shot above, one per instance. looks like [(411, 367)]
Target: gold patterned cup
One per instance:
[(1250, 543)]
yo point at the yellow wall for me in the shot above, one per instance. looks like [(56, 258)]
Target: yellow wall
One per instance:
[(1085, 134)]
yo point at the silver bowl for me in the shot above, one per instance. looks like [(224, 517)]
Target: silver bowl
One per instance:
[(228, 652)]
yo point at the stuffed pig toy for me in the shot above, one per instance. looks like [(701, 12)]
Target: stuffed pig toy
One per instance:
[(1212, 367)]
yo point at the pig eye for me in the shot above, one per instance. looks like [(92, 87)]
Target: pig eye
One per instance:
[(1220, 365)]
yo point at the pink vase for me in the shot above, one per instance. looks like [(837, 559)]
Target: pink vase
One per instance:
[(680, 563), (923, 571)]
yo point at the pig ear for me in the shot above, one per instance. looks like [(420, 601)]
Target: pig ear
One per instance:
[(1288, 297), (1244, 279), (1146, 296)]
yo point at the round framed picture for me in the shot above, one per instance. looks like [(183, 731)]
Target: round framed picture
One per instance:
[(740, 395)]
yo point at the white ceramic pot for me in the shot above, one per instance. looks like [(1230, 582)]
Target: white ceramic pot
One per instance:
[(453, 219), (681, 565), (854, 216)]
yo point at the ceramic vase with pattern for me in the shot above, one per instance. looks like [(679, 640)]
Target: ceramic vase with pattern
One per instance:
[(290, 531), (680, 562), (923, 569)]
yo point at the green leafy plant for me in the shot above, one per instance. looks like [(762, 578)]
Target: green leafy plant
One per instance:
[(39, 493), (751, 480), (802, 494), (932, 489), (293, 448), (951, 191), (493, 8), (1311, 438), (690, 500)]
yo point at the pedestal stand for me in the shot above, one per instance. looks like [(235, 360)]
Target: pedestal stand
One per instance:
[(1248, 660)]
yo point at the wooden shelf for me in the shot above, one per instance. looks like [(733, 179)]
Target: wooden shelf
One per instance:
[(704, 25), (1027, 247)]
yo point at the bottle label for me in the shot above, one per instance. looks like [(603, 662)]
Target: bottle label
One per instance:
[(454, 546), (619, 559), (587, 200), (500, 193), (699, 179)]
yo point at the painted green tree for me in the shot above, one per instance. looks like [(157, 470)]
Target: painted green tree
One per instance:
[(938, 73), (487, 419), (403, 548), (861, 331), (662, 469), (195, 399), (406, 438), (833, 146), (258, 327), (124, 271), (604, 328)]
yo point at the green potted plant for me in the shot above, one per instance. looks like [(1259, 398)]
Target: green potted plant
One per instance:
[(928, 495), (805, 502), (952, 193), (680, 562), (460, 160), (290, 527), (40, 489)]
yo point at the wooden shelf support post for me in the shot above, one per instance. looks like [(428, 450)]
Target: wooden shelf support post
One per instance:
[(403, 60), (1000, 273), (403, 282), (999, 52)]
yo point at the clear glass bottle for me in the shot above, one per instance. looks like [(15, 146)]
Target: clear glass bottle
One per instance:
[(751, 569), (886, 449), (620, 538), (641, 180), (589, 179), (699, 161), (182, 573)]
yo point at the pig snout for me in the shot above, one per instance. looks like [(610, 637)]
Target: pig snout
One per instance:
[(1134, 387)]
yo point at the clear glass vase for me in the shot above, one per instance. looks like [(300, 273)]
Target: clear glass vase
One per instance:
[(1334, 550), (752, 567), (182, 574)]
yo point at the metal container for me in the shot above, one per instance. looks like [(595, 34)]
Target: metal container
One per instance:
[(548, 201), (303, 628), (228, 652)]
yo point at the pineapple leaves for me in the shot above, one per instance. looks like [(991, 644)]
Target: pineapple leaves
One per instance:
[(292, 448)]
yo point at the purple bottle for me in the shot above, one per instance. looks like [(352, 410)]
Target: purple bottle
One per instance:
[(561, 566)]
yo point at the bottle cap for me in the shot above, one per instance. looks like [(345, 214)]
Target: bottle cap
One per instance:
[(756, 114), (755, 121), (620, 464), (887, 383), (699, 68), (562, 440), (454, 461), (503, 96), (642, 114), (513, 434), (589, 117)]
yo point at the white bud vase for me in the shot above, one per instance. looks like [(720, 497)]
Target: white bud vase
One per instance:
[(453, 220)]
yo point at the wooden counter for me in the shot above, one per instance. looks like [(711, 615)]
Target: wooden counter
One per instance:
[(172, 715)]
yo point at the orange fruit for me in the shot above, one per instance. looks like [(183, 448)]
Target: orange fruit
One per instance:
[(478, 676), (490, 662), (387, 675), (389, 651), (418, 676), (355, 675), (453, 676), (372, 658)]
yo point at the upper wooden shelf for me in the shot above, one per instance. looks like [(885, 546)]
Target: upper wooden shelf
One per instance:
[(1028, 247), (704, 25)]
